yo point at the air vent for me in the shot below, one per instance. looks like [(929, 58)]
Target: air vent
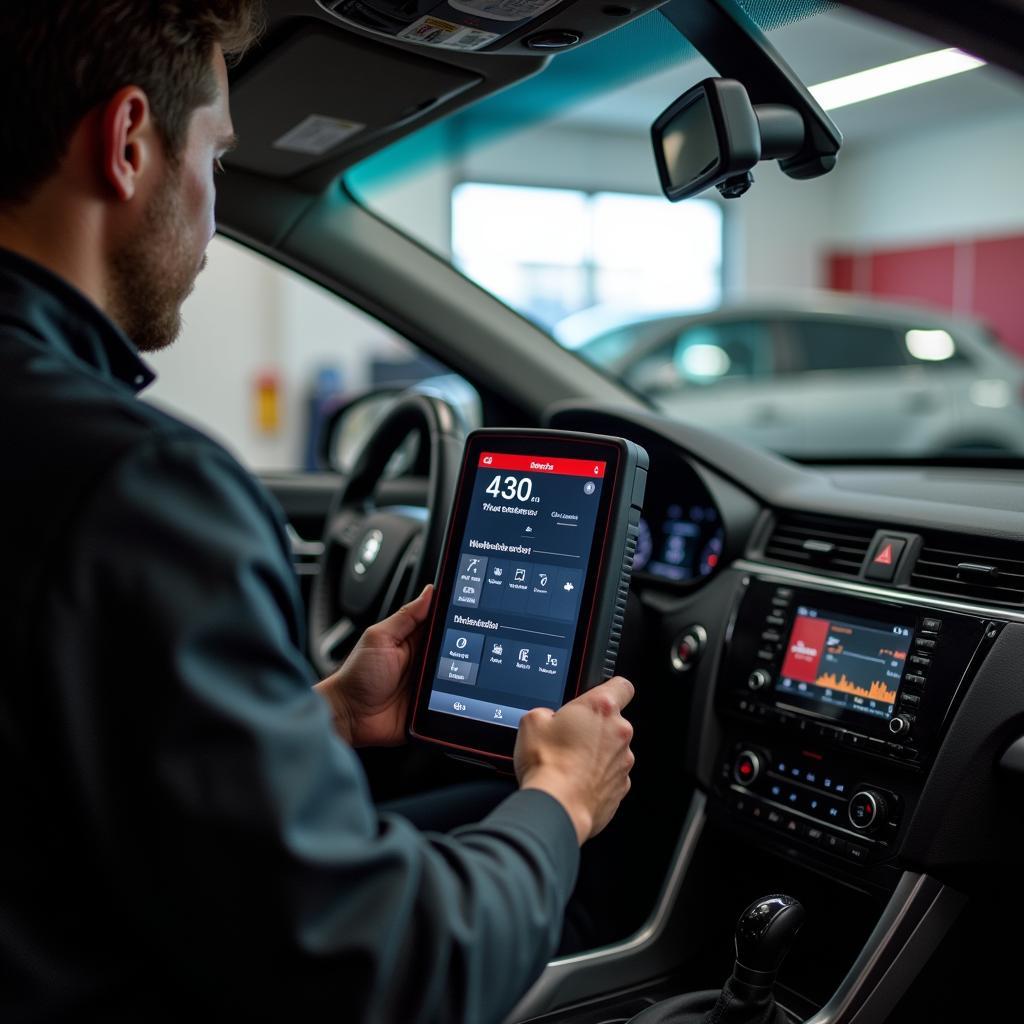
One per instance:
[(971, 568), (818, 542)]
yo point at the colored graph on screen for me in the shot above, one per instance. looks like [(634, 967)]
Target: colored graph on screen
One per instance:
[(875, 691), (845, 663)]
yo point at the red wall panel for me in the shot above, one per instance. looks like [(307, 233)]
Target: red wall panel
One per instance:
[(917, 275), (840, 272), (997, 295), (990, 286)]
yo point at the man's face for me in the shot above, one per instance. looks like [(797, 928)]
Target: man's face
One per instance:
[(155, 269)]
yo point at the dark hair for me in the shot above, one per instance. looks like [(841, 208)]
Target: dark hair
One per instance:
[(61, 58)]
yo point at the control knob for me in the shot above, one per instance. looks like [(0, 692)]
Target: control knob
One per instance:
[(759, 679), (687, 648), (747, 767), (899, 725), (867, 810)]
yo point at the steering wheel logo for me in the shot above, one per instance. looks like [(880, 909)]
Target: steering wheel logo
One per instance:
[(369, 549)]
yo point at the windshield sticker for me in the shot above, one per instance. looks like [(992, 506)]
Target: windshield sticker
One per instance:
[(447, 34), (504, 10), (317, 134)]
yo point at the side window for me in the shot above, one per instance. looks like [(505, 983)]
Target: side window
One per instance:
[(264, 355), (706, 354), (846, 345)]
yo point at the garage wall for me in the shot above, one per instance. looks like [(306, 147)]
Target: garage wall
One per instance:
[(232, 326), (250, 319), (778, 233), (775, 236), (957, 190), (950, 236), (977, 277)]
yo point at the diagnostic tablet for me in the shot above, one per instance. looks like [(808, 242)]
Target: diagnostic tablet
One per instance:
[(531, 590)]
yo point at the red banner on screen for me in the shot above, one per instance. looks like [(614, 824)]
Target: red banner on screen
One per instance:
[(805, 648), (542, 464)]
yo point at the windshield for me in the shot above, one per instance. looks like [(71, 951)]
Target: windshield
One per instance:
[(872, 312)]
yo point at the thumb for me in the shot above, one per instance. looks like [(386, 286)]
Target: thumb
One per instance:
[(409, 617)]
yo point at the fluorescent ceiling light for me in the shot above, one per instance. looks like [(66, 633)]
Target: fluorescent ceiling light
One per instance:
[(902, 74)]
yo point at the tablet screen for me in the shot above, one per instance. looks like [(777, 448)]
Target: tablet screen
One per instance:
[(520, 567)]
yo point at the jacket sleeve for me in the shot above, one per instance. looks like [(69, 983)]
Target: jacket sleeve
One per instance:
[(237, 826)]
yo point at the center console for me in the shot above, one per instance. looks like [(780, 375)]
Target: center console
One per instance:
[(833, 706)]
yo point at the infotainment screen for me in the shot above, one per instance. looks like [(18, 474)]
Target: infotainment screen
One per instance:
[(534, 571), (837, 662)]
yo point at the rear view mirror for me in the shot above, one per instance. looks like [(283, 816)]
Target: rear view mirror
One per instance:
[(714, 136), (706, 137)]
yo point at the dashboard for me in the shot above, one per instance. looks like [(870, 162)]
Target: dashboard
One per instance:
[(832, 658), (817, 608)]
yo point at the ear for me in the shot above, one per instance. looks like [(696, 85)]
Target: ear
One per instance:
[(128, 141)]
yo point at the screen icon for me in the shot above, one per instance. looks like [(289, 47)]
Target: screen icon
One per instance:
[(488, 460), (461, 642), (520, 575), (469, 590), (543, 579), (568, 587), (589, 487), (498, 650), (473, 563), (498, 572), (553, 662), (524, 654), (459, 706), (497, 713)]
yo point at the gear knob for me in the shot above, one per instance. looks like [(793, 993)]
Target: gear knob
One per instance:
[(764, 934)]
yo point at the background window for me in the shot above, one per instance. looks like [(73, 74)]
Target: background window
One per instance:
[(550, 253)]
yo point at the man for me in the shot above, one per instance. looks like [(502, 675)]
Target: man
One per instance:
[(184, 829)]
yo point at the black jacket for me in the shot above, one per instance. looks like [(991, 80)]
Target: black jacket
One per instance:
[(182, 829)]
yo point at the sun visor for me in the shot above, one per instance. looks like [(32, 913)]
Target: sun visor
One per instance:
[(341, 92)]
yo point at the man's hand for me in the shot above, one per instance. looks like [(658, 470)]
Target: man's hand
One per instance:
[(580, 754), (369, 695)]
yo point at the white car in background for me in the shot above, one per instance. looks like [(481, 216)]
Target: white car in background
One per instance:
[(823, 376)]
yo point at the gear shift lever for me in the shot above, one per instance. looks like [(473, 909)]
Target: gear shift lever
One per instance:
[(764, 934)]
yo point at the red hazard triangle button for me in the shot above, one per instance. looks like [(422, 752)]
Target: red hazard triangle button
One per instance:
[(885, 559)]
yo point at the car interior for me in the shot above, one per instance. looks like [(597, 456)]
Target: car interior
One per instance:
[(892, 811)]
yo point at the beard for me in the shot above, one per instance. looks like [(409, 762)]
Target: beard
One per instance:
[(155, 271)]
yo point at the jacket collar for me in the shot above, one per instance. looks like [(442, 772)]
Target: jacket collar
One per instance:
[(44, 304)]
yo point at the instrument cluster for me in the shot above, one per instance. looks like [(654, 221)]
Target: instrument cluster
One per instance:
[(681, 534)]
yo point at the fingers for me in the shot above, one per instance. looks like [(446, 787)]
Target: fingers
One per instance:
[(400, 626), (536, 716), (614, 694)]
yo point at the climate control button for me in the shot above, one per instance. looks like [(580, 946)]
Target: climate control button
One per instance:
[(867, 810), (746, 768)]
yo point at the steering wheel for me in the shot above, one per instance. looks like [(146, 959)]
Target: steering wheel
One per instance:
[(377, 558)]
